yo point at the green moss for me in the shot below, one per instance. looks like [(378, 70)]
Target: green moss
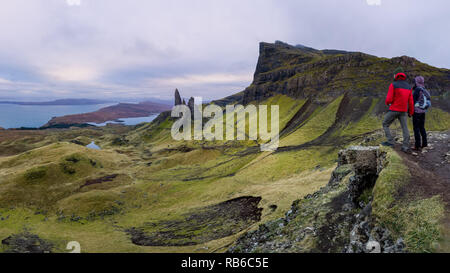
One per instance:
[(365, 196)]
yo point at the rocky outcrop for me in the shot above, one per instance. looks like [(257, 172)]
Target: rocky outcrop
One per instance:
[(191, 104), (177, 97), (304, 72), (366, 236), (367, 163), (178, 101), (337, 218), (26, 242)]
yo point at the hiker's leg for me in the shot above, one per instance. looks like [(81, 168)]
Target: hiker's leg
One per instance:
[(416, 126), (404, 123), (423, 132), (388, 119)]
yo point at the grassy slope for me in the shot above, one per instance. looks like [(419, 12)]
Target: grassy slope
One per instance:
[(174, 183), (417, 221), (158, 181), (316, 125)]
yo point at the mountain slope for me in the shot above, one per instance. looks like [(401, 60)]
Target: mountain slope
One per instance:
[(326, 74), (149, 193)]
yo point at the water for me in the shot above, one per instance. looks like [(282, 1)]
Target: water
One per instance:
[(94, 146), (128, 121), (33, 116)]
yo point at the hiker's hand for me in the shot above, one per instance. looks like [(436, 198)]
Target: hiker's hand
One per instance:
[(409, 115)]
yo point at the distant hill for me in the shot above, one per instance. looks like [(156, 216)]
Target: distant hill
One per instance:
[(59, 102), (156, 100), (121, 110)]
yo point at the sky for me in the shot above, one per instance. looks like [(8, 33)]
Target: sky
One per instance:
[(137, 49)]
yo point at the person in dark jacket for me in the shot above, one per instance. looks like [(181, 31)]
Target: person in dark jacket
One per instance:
[(420, 94), (400, 101)]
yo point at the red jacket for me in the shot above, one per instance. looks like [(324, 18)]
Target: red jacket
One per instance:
[(399, 97)]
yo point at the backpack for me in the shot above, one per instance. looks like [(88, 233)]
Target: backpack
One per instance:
[(425, 97)]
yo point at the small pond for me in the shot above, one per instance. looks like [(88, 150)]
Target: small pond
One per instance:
[(94, 146)]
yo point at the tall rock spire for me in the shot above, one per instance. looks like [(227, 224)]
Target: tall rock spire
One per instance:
[(177, 97), (191, 104)]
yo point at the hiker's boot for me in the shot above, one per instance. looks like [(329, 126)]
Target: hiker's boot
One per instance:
[(387, 144)]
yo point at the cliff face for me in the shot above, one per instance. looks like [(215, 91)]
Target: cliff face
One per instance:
[(303, 72)]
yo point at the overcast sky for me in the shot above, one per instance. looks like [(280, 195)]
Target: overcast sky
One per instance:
[(147, 48)]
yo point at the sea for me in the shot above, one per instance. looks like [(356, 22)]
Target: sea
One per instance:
[(35, 116)]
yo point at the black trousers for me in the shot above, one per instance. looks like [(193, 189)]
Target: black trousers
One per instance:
[(420, 135)]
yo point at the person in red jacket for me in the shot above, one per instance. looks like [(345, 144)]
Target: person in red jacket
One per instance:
[(401, 105)]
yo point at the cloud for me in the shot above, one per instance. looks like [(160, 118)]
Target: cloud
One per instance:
[(73, 2), (199, 79), (73, 74), (5, 81), (373, 2), (206, 48)]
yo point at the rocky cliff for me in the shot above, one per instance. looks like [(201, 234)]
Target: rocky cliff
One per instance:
[(303, 72)]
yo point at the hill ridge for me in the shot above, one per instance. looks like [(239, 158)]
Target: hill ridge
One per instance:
[(303, 72)]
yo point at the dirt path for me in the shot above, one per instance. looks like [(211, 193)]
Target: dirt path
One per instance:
[(430, 169), (430, 174)]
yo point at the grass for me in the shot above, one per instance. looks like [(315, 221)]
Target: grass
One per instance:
[(368, 122), (394, 176), (435, 120), (41, 186), (41, 177), (417, 221), (316, 125)]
